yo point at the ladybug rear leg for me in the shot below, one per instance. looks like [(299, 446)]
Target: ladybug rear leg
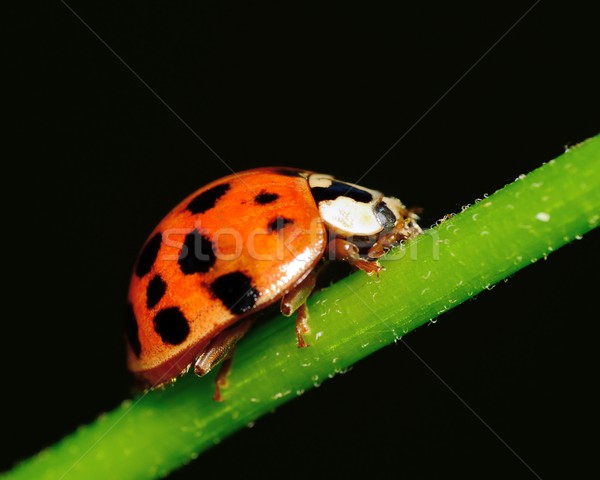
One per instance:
[(221, 349), (295, 301), (340, 249)]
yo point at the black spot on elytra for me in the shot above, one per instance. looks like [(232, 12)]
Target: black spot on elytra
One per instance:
[(155, 291), (171, 325), (197, 254), (148, 255), (265, 197), (278, 223), (236, 292), (337, 189), (132, 331), (207, 200), (288, 172)]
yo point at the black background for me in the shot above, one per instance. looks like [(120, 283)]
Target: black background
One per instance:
[(100, 160)]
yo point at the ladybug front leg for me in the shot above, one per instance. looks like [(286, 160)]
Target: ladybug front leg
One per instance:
[(295, 301), (340, 249), (221, 349), (403, 230)]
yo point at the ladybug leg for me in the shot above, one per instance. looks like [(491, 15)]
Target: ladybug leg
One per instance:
[(295, 301), (221, 349), (221, 379), (344, 250), (403, 230)]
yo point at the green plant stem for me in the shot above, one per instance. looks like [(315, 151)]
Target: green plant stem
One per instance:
[(153, 434)]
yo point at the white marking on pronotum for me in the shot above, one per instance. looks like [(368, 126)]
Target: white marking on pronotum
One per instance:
[(320, 180), (349, 217)]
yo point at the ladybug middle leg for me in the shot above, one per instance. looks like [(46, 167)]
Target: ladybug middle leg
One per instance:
[(341, 249), (221, 349), (295, 301)]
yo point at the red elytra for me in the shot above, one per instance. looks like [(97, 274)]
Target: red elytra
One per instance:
[(236, 246)]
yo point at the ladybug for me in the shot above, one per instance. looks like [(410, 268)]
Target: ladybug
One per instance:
[(236, 246)]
